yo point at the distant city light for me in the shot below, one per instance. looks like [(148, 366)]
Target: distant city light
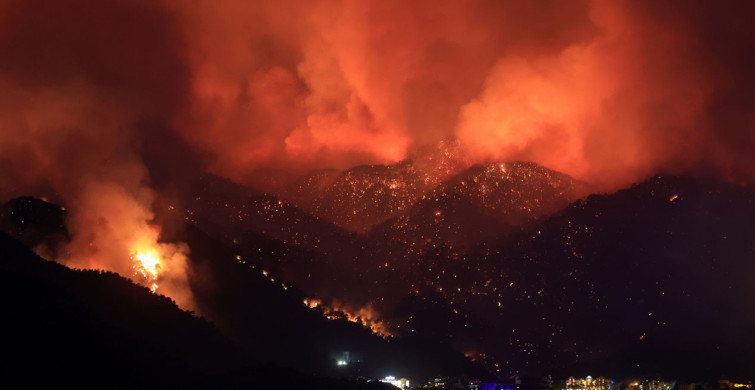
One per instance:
[(402, 383)]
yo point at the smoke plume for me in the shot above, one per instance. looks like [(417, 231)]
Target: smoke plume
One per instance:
[(76, 79), (607, 91)]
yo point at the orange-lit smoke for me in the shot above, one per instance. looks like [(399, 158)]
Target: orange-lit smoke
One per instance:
[(76, 80), (113, 232), (364, 315), (66, 146), (617, 107), (608, 91)]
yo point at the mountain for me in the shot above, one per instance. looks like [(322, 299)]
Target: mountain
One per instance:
[(258, 319), (362, 197), (511, 273), (94, 329), (277, 236), (97, 328), (479, 202), (34, 222), (255, 310), (428, 208), (652, 280), (231, 210)]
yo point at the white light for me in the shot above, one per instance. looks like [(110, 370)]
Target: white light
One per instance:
[(402, 383), (342, 363)]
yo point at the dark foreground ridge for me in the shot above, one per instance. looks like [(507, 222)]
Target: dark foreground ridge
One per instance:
[(97, 329)]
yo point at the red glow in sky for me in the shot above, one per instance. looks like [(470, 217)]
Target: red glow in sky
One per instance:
[(607, 91)]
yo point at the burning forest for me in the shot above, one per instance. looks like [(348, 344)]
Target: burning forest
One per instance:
[(480, 190)]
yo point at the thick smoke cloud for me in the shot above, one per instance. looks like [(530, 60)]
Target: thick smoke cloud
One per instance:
[(607, 91), (76, 80)]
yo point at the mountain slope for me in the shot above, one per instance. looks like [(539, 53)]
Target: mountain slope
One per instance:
[(362, 197), (479, 202), (260, 316), (655, 279), (254, 309), (89, 327)]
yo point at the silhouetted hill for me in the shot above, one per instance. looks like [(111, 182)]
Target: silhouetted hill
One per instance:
[(97, 328), (480, 201), (581, 286), (652, 280), (276, 235), (34, 222), (230, 209), (655, 279), (261, 317), (258, 312)]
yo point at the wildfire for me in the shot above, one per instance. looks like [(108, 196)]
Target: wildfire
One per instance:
[(147, 265), (161, 265), (365, 316), (312, 303)]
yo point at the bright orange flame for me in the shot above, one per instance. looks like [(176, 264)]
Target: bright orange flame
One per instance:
[(364, 316), (161, 265), (312, 303), (148, 265)]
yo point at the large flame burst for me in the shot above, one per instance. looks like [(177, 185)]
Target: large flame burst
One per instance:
[(146, 265)]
